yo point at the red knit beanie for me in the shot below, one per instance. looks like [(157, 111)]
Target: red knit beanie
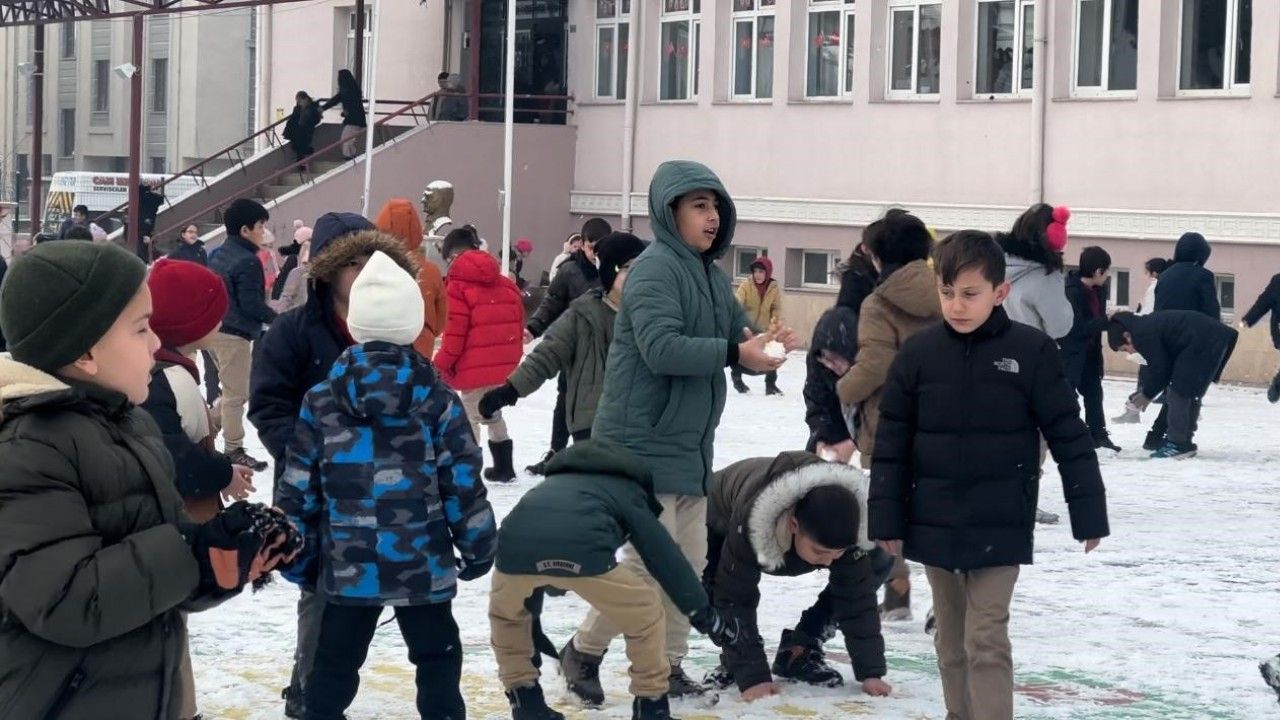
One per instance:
[(188, 301)]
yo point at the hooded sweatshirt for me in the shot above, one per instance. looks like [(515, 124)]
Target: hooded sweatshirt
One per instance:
[(678, 328), (400, 218), (1187, 284), (762, 302), (1037, 294), (484, 337)]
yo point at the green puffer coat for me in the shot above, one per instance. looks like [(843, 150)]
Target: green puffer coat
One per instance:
[(597, 496), (93, 569), (576, 344), (664, 387)]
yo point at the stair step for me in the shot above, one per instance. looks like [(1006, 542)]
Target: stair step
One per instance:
[(271, 192), (320, 167)]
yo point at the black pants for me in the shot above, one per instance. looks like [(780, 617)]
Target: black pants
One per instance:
[(431, 635), (770, 378), (1090, 390), (559, 419), (212, 384)]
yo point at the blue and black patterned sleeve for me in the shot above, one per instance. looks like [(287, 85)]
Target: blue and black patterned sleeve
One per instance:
[(458, 464), (298, 494)]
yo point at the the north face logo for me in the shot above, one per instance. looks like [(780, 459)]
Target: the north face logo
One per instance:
[(1008, 365), (561, 565)]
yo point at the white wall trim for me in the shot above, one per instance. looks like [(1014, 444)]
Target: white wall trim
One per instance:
[(1244, 228)]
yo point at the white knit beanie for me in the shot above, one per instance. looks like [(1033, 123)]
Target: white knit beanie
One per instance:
[(386, 304)]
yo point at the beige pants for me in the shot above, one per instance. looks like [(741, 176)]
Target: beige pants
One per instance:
[(233, 355), (972, 640), (685, 518), (351, 141), (621, 594), (497, 426), (187, 682)]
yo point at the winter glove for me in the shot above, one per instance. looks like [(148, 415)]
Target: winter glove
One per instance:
[(242, 544), (496, 399), (723, 630), (473, 569)]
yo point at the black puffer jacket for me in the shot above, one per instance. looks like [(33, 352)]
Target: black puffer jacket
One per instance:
[(194, 252), (1187, 284), (956, 470), (1267, 302), (1184, 350), (237, 262), (576, 276), (745, 503), (4, 267), (1084, 341), (198, 472), (837, 331)]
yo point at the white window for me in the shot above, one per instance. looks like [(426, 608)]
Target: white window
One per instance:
[(742, 259), (818, 268), (829, 64), (681, 38), (1215, 45), (1226, 287), (101, 86), (1106, 46), (1118, 288), (1006, 45), (915, 32), (159, 85), (351, 44), (753, 48), (68, 40), (613, 40), (67, 133)]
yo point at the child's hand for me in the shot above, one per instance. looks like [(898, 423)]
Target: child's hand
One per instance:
[(788, 338), (528, 336), (1091, 545), (241, 484), (876, 687), (841, 452), (893, 547), (751, 353), (834, 362), (763, 690)]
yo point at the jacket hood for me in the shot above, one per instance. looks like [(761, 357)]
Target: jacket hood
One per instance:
[(792, 476), (19, 381), (837, 331), (768, 267), (598, 313), (598, 456), (856, 283), (912, 289), (399, 218), (475, 266), (380, 379), (674, 179), (1192, 248), (325, 267), (24, 388)]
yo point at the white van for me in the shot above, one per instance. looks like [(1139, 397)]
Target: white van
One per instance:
[(101, 192)]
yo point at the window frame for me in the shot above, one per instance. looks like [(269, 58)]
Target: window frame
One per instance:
[(1102, 89), (754, 16), (846, 9), (100, 87), (738, 251), (833, 261), (1232, 33), (67, 40), (1226, 314), (66, 133), (692, 15), (1020, 8), (914, 94), (159, 100), (618, 66), (1113, 288), (349, 54)]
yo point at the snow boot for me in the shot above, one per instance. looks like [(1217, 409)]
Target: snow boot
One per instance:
[(719, 679), (682, 685), (293, 707), (582, 674), (1103, 442), (771, 387), (1271, 673), (658, 708), (1130, 416), (503, 470), (800, 659), (1273, 390), (1153, 442), (540, 467), (1175, 451), (896, 606), (1046, 518), (930, 623), (527, 703), (739, 385)]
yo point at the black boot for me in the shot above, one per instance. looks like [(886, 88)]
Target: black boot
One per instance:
[(293, 699), (582, 675), (800, 659), (1273, 390), (540, 467), (658, 708), (719, 679), (503, 470), (738, 384), (771, 388), (1271, 673), (527, 703), (681, 685)]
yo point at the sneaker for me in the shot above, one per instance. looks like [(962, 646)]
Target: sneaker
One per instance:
[(1153, 442), (1130, 416), (1175, 451), (802, 663), (651, 709), (719, 679), (1046, 518), (540, 467), (1271, 673), (740, 386), (930, 623), (1103, 442), (682, 685), (582, 675), (240, 457), (527, 703), (1273, 390)]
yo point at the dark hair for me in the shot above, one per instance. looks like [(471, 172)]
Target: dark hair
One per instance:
[(828, 514), (347, 83), (78, 232), (969, 250), (594, 229), (243, 213), (1093, 259), (1116, 328), (1155, 266), (1028, 231), (460, 238), (82, 209), (303, 94), (444, 75), (899, 239)]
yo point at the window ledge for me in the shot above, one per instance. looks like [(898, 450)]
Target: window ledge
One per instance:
[(911, 99), (813, 289), (994, 100), (1099, 97), (600, 102), (761, 102), (1242, 94), (840, 100), (647, 103)]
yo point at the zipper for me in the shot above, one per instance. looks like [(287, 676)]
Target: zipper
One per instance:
[(64, 696), (964, 428)]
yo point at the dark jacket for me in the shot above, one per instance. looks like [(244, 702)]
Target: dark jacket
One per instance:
[(836, 332), (194, 252), (4, 268), (301, 125), (199, 472), (237, 262), (957, 464), (1187, 284), (1184, 350), (352, 107), (597, 497), (93, 568), (1267, 302), (384, 475), (1084, 341), (745, 504), (576, 276)]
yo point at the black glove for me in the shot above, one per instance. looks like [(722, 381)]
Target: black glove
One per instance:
[(475, 569), (496, 399), (723, 630), (241, 544)]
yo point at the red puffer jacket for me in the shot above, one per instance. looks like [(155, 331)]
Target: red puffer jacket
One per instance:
[(484, 337)]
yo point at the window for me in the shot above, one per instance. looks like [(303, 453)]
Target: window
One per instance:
[(742, 259), (368, 41), (753, 48), (1106, 46), (159, 85), (1118, 288), (67, 133), (68, 41), (157, 166), (1006, 41), (915, 31), (1226, 287), (1216, 38), (680, 39), (613, 37), (101, 85), (829, 66), (818, 268)]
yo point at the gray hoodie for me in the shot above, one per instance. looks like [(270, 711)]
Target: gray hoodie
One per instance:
[(1037, 299)]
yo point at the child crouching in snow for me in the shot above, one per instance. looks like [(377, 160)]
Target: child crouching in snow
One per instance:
[(383, 476)]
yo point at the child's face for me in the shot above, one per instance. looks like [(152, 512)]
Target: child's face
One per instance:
[(758, 275), (698, 219), (1127, 347), (347, 277), (256, 234), (123, 358), (190, 234), (970, 300), (619, 281), (809, 550)]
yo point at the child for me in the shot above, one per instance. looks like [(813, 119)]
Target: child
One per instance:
[(565, 534), (1268, 302), (97, 560), (576, 346), (384, 477), (955, 488), (761, 299), (482, 338), (1184, 352), (237, 262), (1082, 347), (664, 387), (1186, 284), (1154, 267), (789, 516)]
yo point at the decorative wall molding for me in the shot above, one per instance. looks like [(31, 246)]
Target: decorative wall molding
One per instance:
[(1244, 228)]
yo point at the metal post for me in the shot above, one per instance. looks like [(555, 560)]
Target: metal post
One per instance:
[(372, 123), (133, 237), (509, 134), (634, 43), (473, 48), (1039, 96), (36, 165), (358, 60)]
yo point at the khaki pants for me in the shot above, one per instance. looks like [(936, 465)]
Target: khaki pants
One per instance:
[(187, 681), (497, 426), (233, 355), (621, 594), (685, 518), (972, 640), (351, 141)]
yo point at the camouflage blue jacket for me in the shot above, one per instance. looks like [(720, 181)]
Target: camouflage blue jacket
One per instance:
[(383, 477)]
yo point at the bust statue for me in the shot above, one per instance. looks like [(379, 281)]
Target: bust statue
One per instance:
[(437, 200)]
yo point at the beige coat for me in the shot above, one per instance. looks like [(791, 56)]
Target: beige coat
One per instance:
[(762, 312), (899, 307)]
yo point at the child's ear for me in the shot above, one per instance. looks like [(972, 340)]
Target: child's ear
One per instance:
[(1002, 292), (84, 366)]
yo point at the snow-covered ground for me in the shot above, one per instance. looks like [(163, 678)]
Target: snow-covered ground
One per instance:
[(1168, 619)]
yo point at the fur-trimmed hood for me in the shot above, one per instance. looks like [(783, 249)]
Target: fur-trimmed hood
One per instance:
[(326, 264), (19, 381), (782, 494)]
